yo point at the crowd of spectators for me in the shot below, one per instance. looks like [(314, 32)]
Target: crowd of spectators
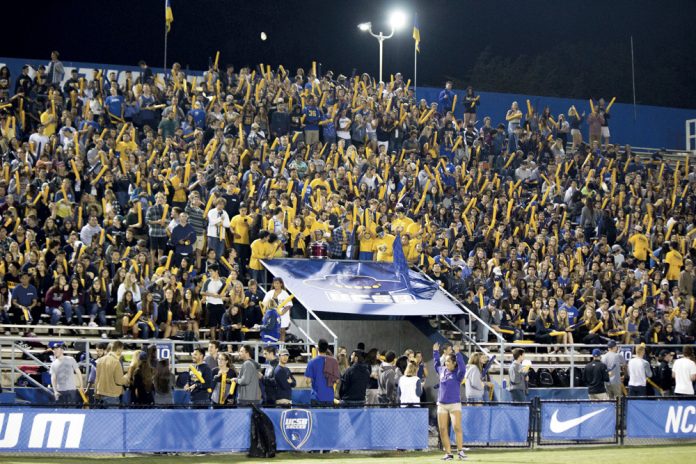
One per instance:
[(149, 201), (351, 380)]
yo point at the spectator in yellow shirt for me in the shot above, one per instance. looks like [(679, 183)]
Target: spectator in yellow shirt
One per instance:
[(640, 244), (259, 250), (384, 245), (675, 262)]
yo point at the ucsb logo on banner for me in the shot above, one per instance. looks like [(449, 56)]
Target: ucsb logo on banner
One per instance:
[(47, 430), (296, 426)]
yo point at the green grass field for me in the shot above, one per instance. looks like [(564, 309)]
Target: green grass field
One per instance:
[(669, 454)]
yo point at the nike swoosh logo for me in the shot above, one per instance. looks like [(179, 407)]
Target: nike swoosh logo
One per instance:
[(558, 426)]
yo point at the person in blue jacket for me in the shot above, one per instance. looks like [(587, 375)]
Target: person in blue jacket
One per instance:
[(445, 99), (449, 402), (270, 324)]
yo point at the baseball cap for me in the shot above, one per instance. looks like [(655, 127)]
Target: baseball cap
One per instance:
[(57, 344), (283, 353), (664, 282), (596, 352), (611, 344)]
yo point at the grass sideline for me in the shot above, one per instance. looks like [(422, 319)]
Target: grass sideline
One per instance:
[(673, 454)]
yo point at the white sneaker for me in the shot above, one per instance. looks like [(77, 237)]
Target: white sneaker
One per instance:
[(461, 455)]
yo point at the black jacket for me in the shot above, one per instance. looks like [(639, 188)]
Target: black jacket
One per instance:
[(595, 375), (354, 382), (263, 440)]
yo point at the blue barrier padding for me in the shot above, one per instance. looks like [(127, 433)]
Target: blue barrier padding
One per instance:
[(661, 419), (578, 421), (301, 395), (7, 397), (495, 424), (579, 393), (208, 430), (33, 395)]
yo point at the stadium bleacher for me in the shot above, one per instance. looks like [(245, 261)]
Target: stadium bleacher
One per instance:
[(480, 209)]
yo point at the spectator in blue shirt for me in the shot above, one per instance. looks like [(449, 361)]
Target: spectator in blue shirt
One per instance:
[(183, 237), (312, 116), (570, 309), (25, 300), (444, 100), (114, 104), (198, 115), (323, 373)]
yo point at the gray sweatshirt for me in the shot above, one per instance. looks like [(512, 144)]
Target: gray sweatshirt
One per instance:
[(248, 387), (474, 385), (517, 377)]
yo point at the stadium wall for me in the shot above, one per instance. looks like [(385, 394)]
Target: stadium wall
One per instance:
[(652, 126)]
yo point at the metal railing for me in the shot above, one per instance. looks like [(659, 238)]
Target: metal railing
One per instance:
[(472, 316), (306, 332), (309, 341), (17, 350)]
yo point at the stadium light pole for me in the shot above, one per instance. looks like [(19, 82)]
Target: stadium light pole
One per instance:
[(397, 20)]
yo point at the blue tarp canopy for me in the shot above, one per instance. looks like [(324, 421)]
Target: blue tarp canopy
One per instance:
[(357, 287)]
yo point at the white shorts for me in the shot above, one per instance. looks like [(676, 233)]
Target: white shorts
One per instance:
[(285, 320), (605, 131), (449, 408)]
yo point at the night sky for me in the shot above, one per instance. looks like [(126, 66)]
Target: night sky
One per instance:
[(454, 34)]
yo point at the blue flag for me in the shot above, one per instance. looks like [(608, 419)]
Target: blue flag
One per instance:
[(420, 287)]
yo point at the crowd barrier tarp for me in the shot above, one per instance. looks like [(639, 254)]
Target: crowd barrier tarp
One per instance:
[(578, 421), (208, 430), (355, 287), (661, 418), (495, 424)]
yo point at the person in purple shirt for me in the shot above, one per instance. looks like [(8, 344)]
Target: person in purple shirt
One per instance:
[(449, 402)]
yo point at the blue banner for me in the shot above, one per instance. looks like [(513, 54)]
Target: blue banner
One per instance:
[(578, 421), (350, 429), (502, 424), (208, 430), (661, 419), (355, 287)]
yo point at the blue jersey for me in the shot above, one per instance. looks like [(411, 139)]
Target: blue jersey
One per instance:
[(270, 326), (198, 117), (313, 116), (114, 104)]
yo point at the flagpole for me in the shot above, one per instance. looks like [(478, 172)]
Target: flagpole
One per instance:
[(415, 70), (165, 38)]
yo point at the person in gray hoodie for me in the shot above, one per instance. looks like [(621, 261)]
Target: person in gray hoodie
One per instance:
[(387, 379), (249, 388)]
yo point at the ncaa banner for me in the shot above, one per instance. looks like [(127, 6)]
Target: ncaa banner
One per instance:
[(123, 430), (356, 287), (208, 430), (661, 419), (503, 424), (578, 421), (350, 429)]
